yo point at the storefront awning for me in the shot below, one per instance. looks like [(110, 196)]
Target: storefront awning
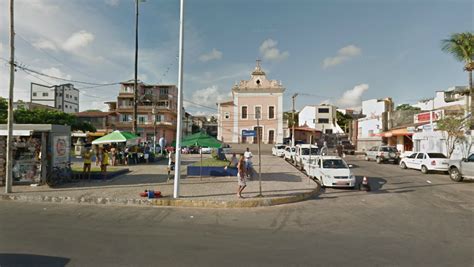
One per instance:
[(16, 133), (397, 132)]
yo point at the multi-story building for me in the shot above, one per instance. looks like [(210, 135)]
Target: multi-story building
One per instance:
[(375, 122), (63, 97), (104, 122), (257, 104), (320, 117), (157, 110)]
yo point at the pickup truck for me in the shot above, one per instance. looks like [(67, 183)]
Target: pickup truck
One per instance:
[(460, 169)]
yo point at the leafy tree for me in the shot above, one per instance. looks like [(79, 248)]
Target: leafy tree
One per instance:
[(3, 110), (407, 107), (288, 116), (93, 110), (343, 119), (453, 132), (461, 46)]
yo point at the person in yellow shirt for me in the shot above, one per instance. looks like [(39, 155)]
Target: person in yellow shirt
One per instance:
[(104, 163), (87, 156)]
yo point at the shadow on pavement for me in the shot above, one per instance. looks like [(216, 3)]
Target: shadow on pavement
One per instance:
[(13, 260)]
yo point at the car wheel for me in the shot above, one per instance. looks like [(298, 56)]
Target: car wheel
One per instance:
[(367, 158), (424, 170), (455, 175), (403, 165), (378, 160)]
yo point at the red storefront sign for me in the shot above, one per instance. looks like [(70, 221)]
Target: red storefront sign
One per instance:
[(425, 116)]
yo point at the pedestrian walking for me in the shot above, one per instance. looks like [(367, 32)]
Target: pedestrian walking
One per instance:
[(87, 156), (104, 163), (339, 150), (241, 176), (113, 152), (248, 163)]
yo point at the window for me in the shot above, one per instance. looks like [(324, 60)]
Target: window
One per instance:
[(65, 106), (75, 98), (258, 113), (471, 158), (328, 131), (412, 156), (420, 156), (226, 115), (323, 110), (34, 94), (323, 120), (45, 94), (125, 117), (160, 118), (76, 109), (244, 112), (271, 112), (59, 106), (436, 156), (142, 119), (163, 91)]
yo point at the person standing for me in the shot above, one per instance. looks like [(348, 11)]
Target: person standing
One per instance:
[(104, 163), (87, 156), (241, 176), (113, 152), (248, 163)]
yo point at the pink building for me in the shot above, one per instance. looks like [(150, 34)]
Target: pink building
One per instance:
[(257, 104)]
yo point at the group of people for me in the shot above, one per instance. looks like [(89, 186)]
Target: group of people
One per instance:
[(244, 169), (101, 159)]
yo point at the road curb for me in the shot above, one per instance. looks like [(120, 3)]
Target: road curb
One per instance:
[(166, 201)]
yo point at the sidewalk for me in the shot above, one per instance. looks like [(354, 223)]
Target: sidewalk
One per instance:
[(281, 183)]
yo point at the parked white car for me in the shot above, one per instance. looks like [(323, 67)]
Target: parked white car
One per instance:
[(304, 153), (425, 162), (205, 150), (331, 171), (290, 152), (278, 150)]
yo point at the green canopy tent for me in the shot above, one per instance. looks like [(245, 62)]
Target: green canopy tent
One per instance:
[(200, 140), (115, 137)]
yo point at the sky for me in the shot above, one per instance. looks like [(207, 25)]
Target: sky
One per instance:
[(328, 51)]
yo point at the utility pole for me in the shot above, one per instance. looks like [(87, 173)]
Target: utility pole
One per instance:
[(293, 128), (177, 169), (135, 85), (259, 159), (153, 111), (9, 173)]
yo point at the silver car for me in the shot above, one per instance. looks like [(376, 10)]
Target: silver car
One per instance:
[(460, 169), (383, 154)]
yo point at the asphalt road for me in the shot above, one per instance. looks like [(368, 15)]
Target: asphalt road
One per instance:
[(409, 219)]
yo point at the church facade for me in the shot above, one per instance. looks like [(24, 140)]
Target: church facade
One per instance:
[(257, 104)]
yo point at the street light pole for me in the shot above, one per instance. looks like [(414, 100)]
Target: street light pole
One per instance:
[(259, 159), (135, 85), (153, 111), (293, 115), (9, 169), (177, 171)]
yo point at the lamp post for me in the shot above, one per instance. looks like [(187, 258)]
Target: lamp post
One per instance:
[(153, 111), (293, 126), (9, 165)]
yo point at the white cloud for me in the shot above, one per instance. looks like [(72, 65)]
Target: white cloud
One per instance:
[(78, 40), (344, 54), (213, 55), (112, 2), (56, 73), (45, 44), (353, 97), (207, 97), (269, 51)]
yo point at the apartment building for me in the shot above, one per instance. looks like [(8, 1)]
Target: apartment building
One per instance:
[(157, 110), (320, 117), (63, 97)]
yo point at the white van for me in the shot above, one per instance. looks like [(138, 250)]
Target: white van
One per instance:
[(331, 171), (304, 153)]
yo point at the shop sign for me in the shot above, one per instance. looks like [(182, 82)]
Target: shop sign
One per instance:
[(61, 149), (425, 116)]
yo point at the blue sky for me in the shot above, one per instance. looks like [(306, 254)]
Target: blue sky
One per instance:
[(338, 51)]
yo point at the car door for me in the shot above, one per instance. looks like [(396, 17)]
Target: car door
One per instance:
[(418, 161), (467, 167), (410, 160)]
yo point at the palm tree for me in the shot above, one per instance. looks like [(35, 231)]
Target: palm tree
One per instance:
[(461, 46)]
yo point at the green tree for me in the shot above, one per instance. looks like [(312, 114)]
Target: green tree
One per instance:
[(453, 131), (288, 116), (343, 120), (461, 46), (3, 110), (46, 116), (407, 107)]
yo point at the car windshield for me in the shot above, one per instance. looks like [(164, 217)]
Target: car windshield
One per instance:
[(388, 149), (305, 151), (280, 147), (334, 164), (436, 156)]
